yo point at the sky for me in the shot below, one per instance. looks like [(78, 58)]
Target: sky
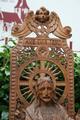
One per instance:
[(68, 11)]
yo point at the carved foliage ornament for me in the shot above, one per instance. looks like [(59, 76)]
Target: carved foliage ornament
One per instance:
[(42, 23), (33, 58)]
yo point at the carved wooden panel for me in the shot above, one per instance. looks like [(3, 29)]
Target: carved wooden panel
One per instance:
[(45, 53)]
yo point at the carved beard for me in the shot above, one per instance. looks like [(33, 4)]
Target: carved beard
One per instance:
[(47, 113), (38, 112), (44, 112)]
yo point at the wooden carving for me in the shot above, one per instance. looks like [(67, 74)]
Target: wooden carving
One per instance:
[(46, 54), (42, 23)]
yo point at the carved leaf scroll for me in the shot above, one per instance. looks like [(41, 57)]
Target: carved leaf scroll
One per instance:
[(42, 23), (33, 57)]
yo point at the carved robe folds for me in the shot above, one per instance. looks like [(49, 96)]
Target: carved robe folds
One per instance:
[(55, 112)]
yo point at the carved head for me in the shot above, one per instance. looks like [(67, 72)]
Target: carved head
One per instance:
[(45, 89), (42, 15)]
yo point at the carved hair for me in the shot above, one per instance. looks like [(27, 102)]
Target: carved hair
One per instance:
[(43, 79)]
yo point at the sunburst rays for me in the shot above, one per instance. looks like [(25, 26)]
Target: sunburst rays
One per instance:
[(36, 69)]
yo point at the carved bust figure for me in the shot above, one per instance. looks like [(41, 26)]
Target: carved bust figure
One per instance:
[(45, 107)]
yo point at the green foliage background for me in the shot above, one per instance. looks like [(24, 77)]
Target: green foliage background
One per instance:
[(5, 79), (77, 81)]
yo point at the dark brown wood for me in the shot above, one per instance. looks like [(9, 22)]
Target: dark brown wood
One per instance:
[(46, 53)]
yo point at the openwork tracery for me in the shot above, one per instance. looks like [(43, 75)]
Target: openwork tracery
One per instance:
[(41, 56)]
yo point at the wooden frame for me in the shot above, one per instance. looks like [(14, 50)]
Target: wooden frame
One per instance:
[(41, 49)]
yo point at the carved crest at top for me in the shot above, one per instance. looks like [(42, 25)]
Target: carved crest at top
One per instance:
[(42, 15), (42, 23)]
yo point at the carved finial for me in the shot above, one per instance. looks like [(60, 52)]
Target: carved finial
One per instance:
[(42, 15)]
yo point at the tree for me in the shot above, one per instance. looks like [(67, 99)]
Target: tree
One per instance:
[(77, 81), (4, 80)]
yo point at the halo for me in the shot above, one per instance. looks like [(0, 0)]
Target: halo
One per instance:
[(33, 71)]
